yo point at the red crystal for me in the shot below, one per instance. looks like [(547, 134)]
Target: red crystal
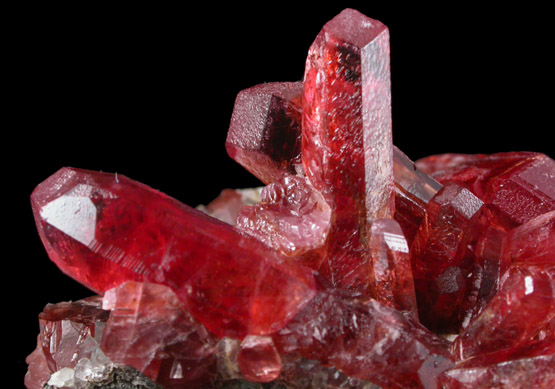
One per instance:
[(265, 134), (103, 230), (522, 307), (346, 147), (524, 192), (442, 258), (324, 279), (390, 266), (369, 341), (292, 218), (533, 241), (228, 204), (150, 330), (413, 191), (472, 171), (517, 186), (259, 359), (531, 366)]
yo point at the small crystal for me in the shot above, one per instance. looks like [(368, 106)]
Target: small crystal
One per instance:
[(258, 359), (293, 218), (390, 266), (228, 204), (62, 378)]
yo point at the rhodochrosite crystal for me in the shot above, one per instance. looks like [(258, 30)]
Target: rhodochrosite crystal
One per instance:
[(103, 230), (292, 218), (265, 133), (353, 267), (346, 148)]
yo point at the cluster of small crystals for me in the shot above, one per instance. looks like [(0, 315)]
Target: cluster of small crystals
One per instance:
[(354, 267)]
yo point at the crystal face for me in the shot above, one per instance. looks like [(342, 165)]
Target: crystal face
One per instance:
[(353, 267)]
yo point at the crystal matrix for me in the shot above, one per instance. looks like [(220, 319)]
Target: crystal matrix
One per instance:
[(353, 267)]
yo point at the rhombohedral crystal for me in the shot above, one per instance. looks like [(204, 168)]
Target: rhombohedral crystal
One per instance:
[(354, 267)]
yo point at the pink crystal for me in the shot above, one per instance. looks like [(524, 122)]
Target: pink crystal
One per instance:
[(368, 341), (346, 148), (522, 307), (259, 359), (150, 330), (38, 372), (531, 366), (103, 230), (292, 218), (265, 134), (390, 266), (228, 204), (413, 191)]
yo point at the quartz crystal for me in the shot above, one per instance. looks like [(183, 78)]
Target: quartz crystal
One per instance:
[(353, 267)]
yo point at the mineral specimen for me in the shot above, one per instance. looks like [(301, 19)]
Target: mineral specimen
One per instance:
[(353, 267)]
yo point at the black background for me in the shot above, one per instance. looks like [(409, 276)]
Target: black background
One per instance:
[(148, 92)]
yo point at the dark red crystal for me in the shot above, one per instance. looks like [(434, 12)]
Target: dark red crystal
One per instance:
[(346, 148), (265, 133)]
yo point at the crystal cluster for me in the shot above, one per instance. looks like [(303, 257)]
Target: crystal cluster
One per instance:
[(354, 267)]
